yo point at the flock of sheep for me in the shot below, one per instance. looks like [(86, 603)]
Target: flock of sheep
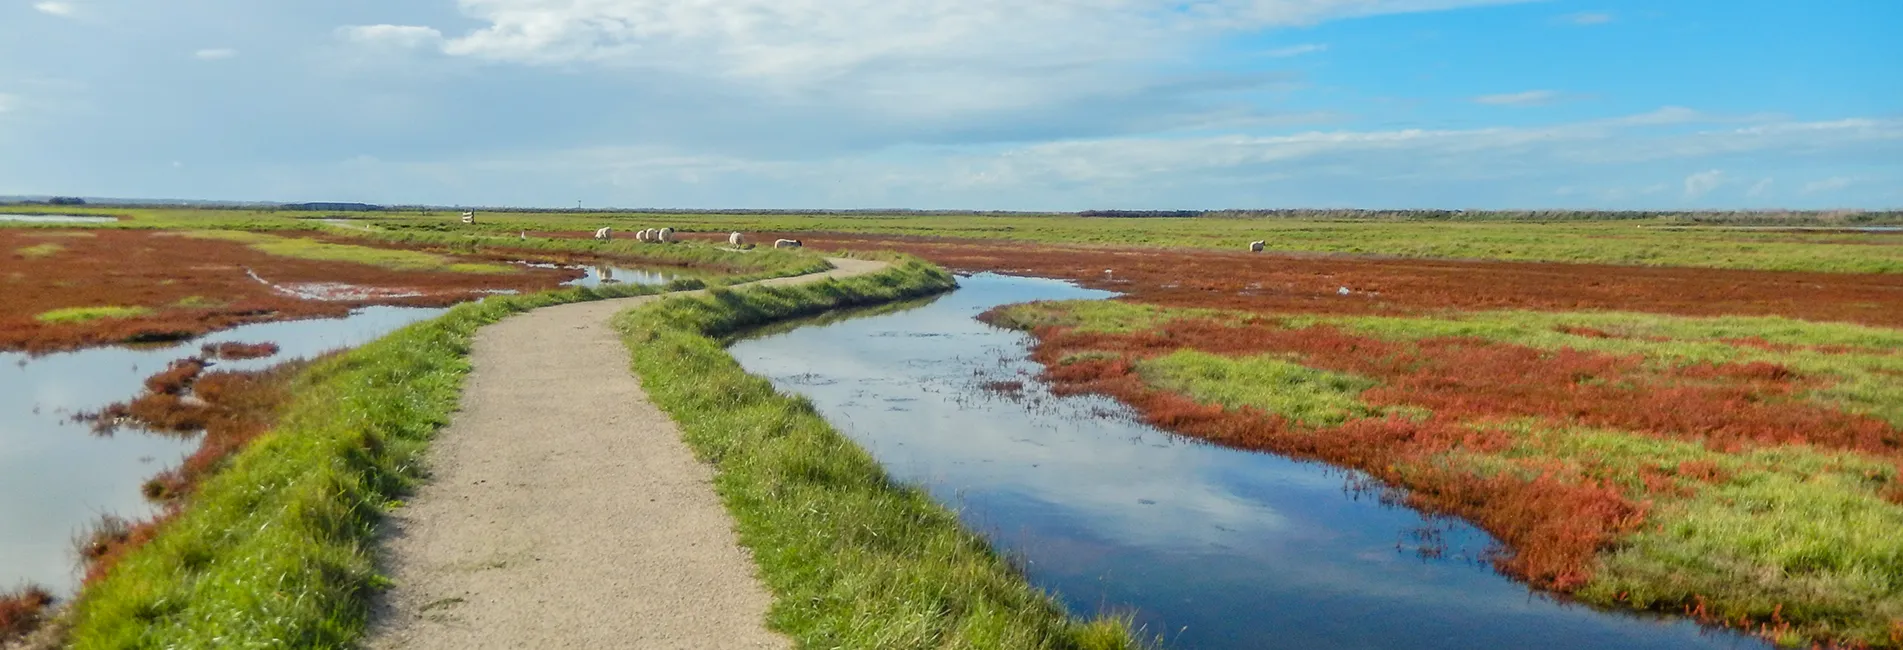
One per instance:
[(666, 236)]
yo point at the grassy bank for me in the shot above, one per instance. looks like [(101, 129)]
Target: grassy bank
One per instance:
[(275, 550), (1744, 471), (854, 560)]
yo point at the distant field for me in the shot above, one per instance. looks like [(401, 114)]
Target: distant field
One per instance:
[(1649, 242)]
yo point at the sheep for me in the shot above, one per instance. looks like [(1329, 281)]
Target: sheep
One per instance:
[(604, 234), (666, 235), (1257, 246), (640, 235), (736, 239), (652, 235), (787, 243)]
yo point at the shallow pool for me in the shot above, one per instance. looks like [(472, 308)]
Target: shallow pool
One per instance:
[(57, 478), (1211, 547), (54, 218)]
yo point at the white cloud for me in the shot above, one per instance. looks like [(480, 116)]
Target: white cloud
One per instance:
[(1829, 185), (1758, 189), (402, 36), (215, 54), (1528, 98), (1702, 183), (56, 8), (899, 49), (1587, 18), (1295, 50)]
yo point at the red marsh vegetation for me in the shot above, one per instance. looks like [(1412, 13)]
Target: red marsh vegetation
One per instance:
[(224, 410), (1283, 283), (1553, 520), (176, 286), (21, 611)]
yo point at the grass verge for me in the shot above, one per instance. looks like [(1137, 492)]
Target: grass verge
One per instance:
[(854, 559), (276, 549)]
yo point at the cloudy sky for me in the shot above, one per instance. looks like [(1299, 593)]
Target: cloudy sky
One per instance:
[(979, 104)]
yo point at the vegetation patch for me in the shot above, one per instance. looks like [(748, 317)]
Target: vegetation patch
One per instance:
[(1738, 475), (854, 560), (83, 314), (1273, 385), (311, 249), (37, 251)]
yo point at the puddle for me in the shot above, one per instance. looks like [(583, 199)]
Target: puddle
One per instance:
[(597, 275), (54, 218), (1213, 548), (56, 477)]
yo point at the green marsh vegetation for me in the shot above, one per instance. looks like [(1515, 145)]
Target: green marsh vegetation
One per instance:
[(83, 314), (1706, 240)]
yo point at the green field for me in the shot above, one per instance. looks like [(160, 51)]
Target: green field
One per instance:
[(1654, 241)]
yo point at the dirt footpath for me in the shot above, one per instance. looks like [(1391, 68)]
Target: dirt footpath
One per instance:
[(564, 511)]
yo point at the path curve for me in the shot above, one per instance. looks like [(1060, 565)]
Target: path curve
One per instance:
[(563, 510)]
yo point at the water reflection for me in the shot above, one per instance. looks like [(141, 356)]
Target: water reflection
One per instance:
[(1214, 548), (596, 275), (56, 477)]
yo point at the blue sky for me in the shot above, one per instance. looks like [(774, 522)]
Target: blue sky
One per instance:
[(975, 104)]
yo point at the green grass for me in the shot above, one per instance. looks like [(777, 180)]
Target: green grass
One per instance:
[(854, 559), (1655, 241), (71, 315), (38, 251), (310, 249), (1273, 385)]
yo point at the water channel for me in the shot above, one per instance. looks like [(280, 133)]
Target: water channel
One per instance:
[(1212, 548)]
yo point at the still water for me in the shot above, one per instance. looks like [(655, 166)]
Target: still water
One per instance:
[(1212, 548), (56, 477), (54, 218)]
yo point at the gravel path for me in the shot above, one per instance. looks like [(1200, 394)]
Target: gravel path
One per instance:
[(564, 511)]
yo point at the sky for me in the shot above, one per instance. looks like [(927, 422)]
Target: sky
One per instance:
[(959, 104)]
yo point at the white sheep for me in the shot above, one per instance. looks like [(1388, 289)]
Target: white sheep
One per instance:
[(640, 235), (787, 243), (1257, 246), (604, 234), (666, 235), (652, 235), (736, 240)]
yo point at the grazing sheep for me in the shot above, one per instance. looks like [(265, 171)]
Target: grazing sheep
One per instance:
[(525, 234), (604, 234), (1257, 246), (652, 235), (736, 239), (666, 235), (640, 235), (787, 243)]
